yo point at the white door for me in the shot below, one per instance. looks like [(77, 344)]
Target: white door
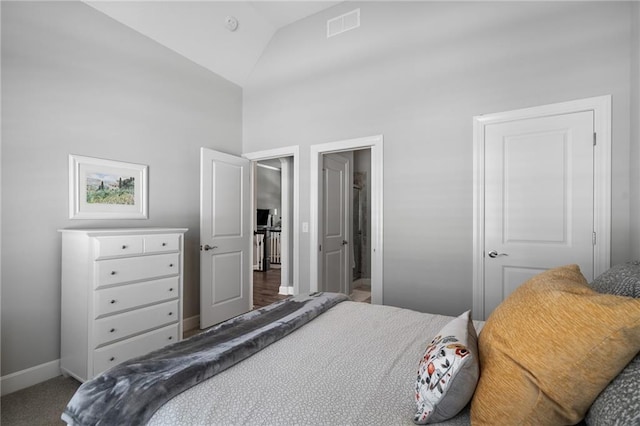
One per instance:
[(539, 200), (335, 226), (225, 237)]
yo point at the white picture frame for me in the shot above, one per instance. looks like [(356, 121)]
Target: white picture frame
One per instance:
[(107, 189)]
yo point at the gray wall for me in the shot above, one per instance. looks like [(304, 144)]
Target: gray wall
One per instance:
[(268, 190), (417, 72), (634, 158), (75, 81)]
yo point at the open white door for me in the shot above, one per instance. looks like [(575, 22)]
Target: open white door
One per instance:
[(225, 237), (334, 255)]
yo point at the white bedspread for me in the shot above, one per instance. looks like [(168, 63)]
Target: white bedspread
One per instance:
[(355, 364)]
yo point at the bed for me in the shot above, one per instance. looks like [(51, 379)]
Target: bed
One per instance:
[(349, 363), (354, 363)]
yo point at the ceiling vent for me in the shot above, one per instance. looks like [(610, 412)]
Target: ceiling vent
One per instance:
[(342, 23)]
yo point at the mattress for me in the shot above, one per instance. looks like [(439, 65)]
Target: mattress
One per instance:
[(354, 364)]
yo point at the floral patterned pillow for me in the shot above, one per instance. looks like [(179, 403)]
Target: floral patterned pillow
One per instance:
[(448, 372)]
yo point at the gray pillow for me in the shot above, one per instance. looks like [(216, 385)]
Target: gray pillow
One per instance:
[(619, 402), (622, 280)]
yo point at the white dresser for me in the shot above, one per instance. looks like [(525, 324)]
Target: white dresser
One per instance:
[(121, 295)]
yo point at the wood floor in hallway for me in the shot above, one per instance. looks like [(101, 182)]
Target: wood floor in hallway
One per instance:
[(265, 287)]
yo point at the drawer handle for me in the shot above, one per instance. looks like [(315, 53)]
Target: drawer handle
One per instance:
[(171, 265), (171, 289), (113, 272), (113, 301), (113, 358), (164, 244), (170, 337), (124, 247), (170, 313), (113, 330)]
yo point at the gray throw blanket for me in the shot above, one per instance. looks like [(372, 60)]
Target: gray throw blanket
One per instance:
[(131, 392)]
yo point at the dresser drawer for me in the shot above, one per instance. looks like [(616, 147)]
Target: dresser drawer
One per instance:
[(117, 299), (114, 271), (161, 243), (107, 357), (123, 245), (120, 326)]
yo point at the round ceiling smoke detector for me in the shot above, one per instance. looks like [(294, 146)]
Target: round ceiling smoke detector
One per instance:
[(231, 23)]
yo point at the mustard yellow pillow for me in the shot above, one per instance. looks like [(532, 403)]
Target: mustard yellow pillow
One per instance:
[(550, 348)]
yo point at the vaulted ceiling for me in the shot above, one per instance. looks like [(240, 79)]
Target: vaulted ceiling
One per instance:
[(199, 30)]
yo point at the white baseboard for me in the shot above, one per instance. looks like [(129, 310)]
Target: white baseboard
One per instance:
[(191, 323), (31, 376), (285, 289)]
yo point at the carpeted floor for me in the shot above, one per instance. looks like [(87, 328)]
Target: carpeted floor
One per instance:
[(38, 405)]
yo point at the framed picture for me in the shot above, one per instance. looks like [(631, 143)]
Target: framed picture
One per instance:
[(106, 189)]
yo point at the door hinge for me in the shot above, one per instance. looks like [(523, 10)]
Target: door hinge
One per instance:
[(593, 238), (320, 247), (594, 138)]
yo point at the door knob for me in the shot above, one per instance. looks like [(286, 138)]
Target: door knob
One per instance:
[(207, 247), (494, 254)]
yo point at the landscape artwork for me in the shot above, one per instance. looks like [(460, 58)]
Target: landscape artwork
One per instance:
[(110, 189), (107, 189)]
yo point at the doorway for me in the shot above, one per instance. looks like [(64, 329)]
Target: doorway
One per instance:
[(374, 250), (275, 219), (344, 224), (542, 195), (271, 233)]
